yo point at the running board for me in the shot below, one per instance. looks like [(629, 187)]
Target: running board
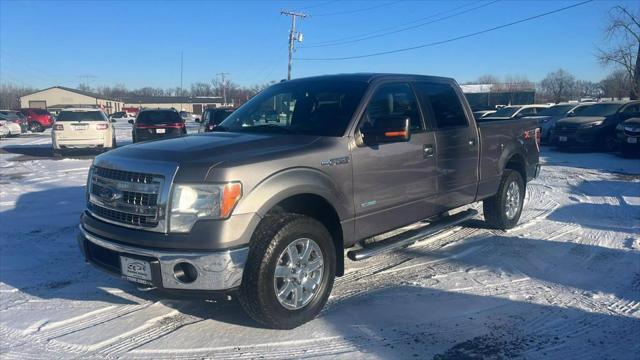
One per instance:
[(410, 237)]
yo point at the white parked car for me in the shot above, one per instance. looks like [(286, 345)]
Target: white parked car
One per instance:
[(82, 129), (11, 126)]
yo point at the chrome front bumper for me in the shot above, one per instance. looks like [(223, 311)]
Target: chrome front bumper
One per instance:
[(220, 270)]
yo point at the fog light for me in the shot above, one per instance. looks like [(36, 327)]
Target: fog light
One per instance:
[(185, 272)]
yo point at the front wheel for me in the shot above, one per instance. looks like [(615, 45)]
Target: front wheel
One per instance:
[(502, 211), (289, 272)]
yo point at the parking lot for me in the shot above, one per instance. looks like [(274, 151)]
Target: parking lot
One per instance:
[(565, 283)]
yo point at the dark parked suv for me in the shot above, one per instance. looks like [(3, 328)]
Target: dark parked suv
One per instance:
[(595, 126), (155, 124), (212, 118)]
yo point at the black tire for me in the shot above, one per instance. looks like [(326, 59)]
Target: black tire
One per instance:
[(113, 143), (257, 294), (57, 153), (495, 207), (35, 126)]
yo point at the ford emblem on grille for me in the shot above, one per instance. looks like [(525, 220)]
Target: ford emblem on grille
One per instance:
[(110, 194)]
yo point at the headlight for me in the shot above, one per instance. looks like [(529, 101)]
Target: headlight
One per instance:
[(191, 202), (591, 124)]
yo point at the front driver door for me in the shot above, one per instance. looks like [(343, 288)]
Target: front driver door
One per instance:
[(391, 180)]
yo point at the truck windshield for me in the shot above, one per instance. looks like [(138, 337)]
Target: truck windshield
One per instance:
[(319, 108), (81, 116)]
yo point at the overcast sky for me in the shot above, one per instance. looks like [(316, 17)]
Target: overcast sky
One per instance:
[(139, 43)]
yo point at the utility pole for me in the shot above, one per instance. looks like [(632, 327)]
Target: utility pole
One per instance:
[(85, 78), (224, 86), (181, 70), (293, 36)]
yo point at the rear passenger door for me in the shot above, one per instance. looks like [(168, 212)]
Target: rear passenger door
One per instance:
[(456, 148)]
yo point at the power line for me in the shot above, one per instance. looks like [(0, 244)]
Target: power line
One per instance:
[(358, 10), (317, 5), (405, 28), (448, 40), (322, 43)]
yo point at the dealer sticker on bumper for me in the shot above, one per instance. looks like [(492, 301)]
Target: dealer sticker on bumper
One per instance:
[(135, 270)]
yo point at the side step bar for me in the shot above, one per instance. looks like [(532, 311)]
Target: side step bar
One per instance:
[(409, 237)]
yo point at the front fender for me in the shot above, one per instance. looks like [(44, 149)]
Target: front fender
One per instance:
[(294, 181)]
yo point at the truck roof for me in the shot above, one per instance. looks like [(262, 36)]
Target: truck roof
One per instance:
[(369, 77)]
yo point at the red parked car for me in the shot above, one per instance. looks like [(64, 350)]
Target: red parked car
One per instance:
[(38, 119)]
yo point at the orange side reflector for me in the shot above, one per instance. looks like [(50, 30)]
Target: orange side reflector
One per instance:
[(230, 195), (395, 133)]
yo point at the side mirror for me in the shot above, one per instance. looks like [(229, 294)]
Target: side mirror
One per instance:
[(388, 129), (197, 120), (571, 114), (130, 121), (112, 120)]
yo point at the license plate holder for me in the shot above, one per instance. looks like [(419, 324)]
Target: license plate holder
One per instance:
[(160, 131), (632, 140), (136, 270), (562, 138), (80, 127)]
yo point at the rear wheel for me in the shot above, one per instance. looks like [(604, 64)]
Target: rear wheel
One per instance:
[(290, 271), (502, 211), (35, 126)]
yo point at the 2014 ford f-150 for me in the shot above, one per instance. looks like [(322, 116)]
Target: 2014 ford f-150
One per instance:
[(264, 207)]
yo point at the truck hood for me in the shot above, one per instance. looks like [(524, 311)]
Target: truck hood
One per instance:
[(211, 148), (580, 120)]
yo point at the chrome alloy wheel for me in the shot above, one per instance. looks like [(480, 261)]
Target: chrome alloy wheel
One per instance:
[(298, 273), (512, 203)]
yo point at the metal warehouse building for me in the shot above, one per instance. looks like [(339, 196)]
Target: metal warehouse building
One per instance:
[(60, 97)]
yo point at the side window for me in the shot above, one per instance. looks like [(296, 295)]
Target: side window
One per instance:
[(393, 100), (446, 106), (631, 109), (528, 112), (205, 116)]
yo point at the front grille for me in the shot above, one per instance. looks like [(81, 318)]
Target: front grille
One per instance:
[(122, 217), (130, 197), (567, 129), (123, 175), (126, 197), (632, 133)]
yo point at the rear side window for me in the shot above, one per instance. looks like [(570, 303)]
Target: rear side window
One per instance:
[(41, 112), (81, 116), (445, 104), (158, 117)]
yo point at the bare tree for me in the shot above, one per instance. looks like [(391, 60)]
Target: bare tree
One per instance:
[(10, 95), (624, 30), (616, 85), (84, 87), (201, 89), (558, 85)]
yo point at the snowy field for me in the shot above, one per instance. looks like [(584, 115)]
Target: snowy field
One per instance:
[(563, 284)]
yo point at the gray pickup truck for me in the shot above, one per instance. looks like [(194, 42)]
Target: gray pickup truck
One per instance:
[(263, 208)]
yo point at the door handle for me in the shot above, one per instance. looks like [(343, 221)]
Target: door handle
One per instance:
[(427, 151), (472, 142)]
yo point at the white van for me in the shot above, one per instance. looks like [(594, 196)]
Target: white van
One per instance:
[(82, 129)]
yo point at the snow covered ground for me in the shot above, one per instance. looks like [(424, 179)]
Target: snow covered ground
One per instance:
[(563, 284)]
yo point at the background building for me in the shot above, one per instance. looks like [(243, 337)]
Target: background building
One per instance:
[(60, 97)]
